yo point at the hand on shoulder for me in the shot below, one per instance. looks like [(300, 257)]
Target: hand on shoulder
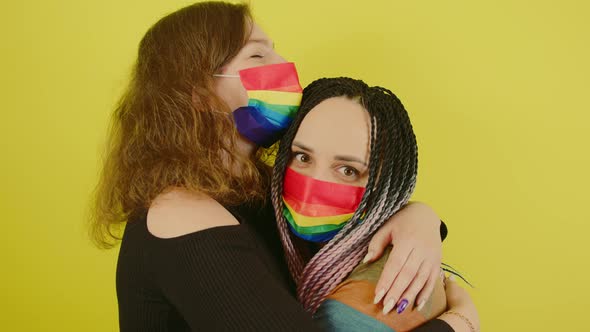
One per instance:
[(461, 314)]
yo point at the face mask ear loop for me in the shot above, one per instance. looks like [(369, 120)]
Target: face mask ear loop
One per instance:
[(226, 76)]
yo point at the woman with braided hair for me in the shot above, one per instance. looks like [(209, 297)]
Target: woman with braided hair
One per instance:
[(346, 165)]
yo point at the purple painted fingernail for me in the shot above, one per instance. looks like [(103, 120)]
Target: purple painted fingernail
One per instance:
[(401, 306)]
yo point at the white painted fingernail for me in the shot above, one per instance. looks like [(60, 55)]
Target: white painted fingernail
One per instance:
[(421, 305), (368, 256), (379, 296), (452, 277), (387, 308)]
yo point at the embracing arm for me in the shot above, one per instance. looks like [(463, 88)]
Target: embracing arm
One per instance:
[(461, 314), (416, 233)]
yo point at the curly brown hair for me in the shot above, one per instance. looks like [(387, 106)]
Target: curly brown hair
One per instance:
[(170, 129)]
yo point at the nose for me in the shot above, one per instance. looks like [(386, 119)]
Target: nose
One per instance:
[(277, 58), (316, 171), (323, 175), (320, 171)]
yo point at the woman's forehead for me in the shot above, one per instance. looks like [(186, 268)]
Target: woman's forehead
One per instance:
[(258, 35), (336, 126)]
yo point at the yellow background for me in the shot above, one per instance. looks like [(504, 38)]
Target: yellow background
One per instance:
[(498, 92)]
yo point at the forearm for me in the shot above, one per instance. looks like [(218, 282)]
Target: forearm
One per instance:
[(424, 214), (457, 323)]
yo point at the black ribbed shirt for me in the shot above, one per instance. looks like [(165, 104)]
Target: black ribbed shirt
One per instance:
[(227, 278)]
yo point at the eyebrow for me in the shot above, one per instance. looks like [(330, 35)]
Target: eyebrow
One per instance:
[(341, 158), (350, 159), (303, 147), (265, 42)]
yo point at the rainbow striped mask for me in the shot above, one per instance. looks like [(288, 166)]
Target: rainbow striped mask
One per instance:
[(274, 96), (316, 210)]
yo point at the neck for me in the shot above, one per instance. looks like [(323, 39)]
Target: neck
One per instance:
[(245, 147)]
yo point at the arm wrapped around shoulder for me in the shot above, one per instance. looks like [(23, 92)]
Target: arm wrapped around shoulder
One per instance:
[(350, 307)]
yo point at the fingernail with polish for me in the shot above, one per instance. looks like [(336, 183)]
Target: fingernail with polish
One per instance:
[(387, 308), (379, 296), (401, 306), (368, 256), (421, 305)]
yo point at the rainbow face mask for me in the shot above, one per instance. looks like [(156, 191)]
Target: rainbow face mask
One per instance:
[(274, 96), (316, 210)]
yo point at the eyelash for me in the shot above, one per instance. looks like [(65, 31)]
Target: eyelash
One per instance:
[(257, 56), (356, 172), (297, 154)]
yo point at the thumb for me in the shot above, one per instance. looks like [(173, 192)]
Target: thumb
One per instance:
[(450, 282), (452, 290), (378, 243)]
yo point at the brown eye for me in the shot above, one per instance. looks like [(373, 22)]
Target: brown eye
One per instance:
[(302, 157), (349, 171)]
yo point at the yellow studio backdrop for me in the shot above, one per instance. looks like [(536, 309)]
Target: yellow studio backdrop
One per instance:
[(498, 92)]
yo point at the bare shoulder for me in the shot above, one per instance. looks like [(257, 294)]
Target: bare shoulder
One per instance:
[(177, 212)]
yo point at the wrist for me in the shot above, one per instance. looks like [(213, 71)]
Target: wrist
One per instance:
[(423, 212), (458, 321)]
